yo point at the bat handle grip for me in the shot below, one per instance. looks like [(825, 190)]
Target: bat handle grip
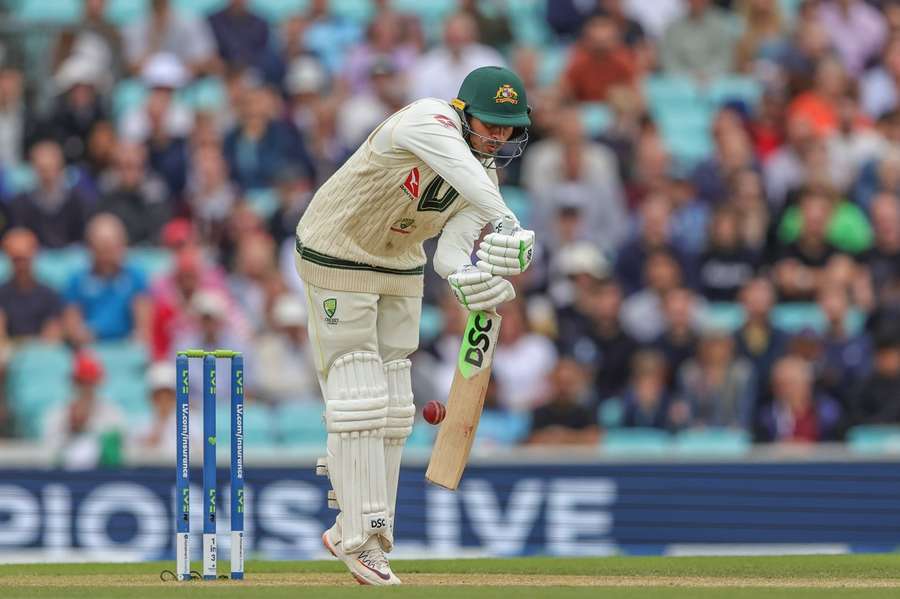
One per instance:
[(505, 225)]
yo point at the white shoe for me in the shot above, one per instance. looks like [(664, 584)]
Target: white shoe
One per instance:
[(368, 566)]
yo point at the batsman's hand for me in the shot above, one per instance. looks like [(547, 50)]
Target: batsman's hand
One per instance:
[(477, 290), (507, 251)]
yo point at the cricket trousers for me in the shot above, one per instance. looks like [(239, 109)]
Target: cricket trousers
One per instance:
[(360, 343)]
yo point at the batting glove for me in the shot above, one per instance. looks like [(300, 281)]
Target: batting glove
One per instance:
[(477, 290), (506, 253)]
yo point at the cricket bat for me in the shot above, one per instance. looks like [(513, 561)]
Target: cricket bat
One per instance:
[(470, 383)]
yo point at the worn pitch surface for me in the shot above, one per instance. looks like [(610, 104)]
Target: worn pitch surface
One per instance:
[(617, 577)]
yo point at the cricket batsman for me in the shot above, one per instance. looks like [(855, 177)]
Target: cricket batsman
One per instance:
[(428, 170)]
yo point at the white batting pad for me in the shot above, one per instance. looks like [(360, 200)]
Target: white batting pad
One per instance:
[(401, 413), (356, 408)]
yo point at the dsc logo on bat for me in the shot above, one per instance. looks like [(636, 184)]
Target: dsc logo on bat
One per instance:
[(477, 336)]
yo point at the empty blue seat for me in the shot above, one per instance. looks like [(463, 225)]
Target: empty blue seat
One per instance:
[(504, 429), (37, 380), (199, 8), (422, 436), (126, 12), (49, 11), (713, 442), (55, 267), (127, 95), (153, 262), (671, 91), (278, 10), (744, 89), (553, 60), (596, 118), (636, 442), (611, 413), (300, 424), (874, 439), (18, 178), (519, 202)]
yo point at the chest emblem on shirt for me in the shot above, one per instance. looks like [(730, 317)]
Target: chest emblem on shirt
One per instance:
[(411, 185), (506, 95), (404, 226)]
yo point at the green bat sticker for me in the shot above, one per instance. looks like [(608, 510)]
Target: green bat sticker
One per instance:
[(478, 342)]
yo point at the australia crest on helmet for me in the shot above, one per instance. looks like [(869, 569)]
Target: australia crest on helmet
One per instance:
[(506, 94)]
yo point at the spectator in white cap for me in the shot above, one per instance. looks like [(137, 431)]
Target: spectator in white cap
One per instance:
[(95, 37), (285, 365), (306, 83), (77, 108), (155, 439), (162, 74), (362, 112), (165, 30)]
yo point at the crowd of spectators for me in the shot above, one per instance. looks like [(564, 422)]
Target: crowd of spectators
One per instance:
[(642, 253)]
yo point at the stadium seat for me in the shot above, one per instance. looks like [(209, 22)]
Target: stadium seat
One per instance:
[(55, 267), (596, 117), (19, 178), (713, 442), (502, 429), (874, 439), (37, 380), (200, 8), (669, 91), (263, 201), (207, 94), (277, 10), (126, 12), (152, 261), (636, 442), (745, 89), (300, 424), (796, 317), (552, 63), (519, 202), (422, 436), (610, 413), (430, 324), (358, 11), (127, 95), (124, 383), (725, 315), (49, 11)]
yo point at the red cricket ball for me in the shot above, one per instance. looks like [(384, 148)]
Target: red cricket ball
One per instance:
[(434, 412)]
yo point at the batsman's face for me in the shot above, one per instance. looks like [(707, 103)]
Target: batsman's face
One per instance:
[(489, 138)]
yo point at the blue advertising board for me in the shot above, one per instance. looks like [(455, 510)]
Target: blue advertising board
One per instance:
[(595, 509)]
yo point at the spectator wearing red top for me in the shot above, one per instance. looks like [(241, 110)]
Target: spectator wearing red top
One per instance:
[(797, 413), (598, 62), (820, 105)]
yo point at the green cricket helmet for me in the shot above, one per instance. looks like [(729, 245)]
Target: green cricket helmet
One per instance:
[(495, 96)]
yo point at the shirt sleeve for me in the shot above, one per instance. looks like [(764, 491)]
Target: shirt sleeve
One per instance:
[(457, 240), (432, 133)]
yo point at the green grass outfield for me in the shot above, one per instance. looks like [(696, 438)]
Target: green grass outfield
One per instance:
[(844, 576)]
